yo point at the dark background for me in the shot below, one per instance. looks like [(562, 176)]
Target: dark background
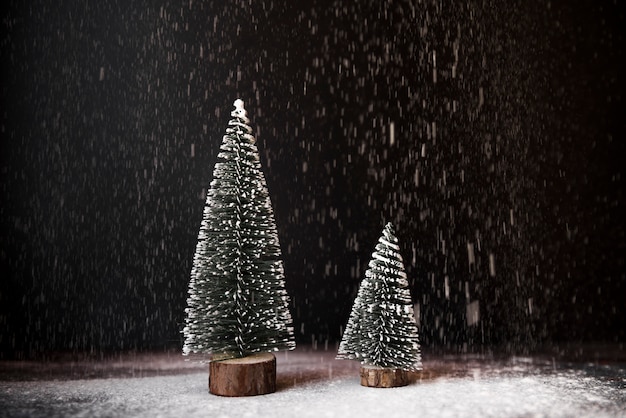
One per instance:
[(508, 138)]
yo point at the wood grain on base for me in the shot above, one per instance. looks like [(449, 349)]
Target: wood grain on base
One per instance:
[(246, 376), (382, 377)]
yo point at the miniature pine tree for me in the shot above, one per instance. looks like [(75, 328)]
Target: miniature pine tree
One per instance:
[(382, 330), (237, 303)]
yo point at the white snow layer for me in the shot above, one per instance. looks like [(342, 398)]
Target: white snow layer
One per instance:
[(313, 384)]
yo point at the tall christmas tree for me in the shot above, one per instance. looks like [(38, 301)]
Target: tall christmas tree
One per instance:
[(237, 302), (382, 330)]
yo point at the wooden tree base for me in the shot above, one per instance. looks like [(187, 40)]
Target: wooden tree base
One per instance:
[(246, 376), (382, 377)]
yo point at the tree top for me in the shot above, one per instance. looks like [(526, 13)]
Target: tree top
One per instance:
[(240, 111)]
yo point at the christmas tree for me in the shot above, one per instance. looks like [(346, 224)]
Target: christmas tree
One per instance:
[(382, 330), (237, 302)]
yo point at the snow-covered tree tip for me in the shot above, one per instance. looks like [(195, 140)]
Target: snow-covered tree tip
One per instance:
[(381, 329), (237, 302), (240, 111)]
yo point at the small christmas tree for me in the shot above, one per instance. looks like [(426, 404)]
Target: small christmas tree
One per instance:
[(237, 303), (382, 331)]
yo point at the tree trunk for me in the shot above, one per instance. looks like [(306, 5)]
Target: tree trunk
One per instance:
[(247, 376), (383, 377)]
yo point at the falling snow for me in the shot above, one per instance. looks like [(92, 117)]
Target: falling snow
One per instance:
[(490, 135)]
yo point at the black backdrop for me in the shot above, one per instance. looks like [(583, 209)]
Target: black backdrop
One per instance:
[(490, 135)]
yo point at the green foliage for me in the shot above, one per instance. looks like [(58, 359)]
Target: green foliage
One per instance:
[(237, 302), (382, 330)]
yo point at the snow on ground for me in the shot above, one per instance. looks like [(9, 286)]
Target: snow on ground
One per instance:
[(313, 384)]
